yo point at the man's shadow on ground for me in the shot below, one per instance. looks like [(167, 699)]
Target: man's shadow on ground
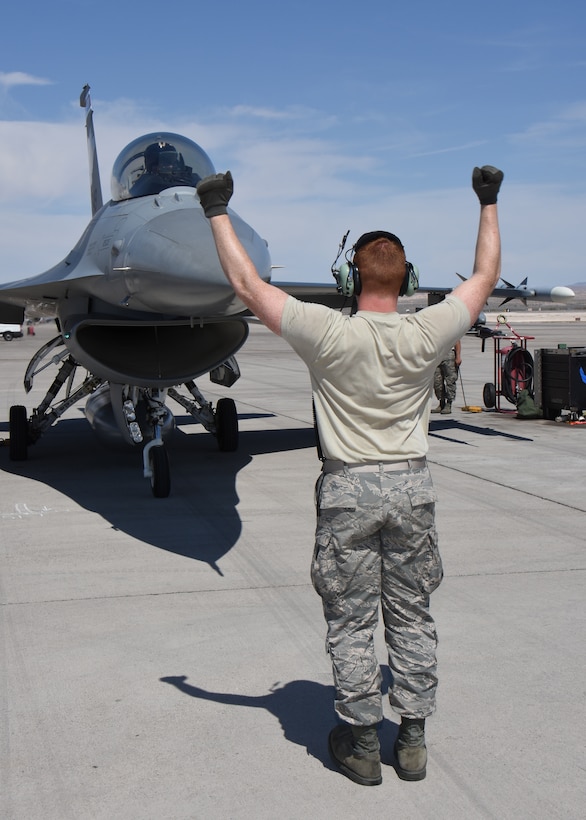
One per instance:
[(303, 708)]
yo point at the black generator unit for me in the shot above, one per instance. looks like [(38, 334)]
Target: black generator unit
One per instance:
[(560, 380)]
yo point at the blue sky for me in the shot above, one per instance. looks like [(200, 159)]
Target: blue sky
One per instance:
[(331, 116)]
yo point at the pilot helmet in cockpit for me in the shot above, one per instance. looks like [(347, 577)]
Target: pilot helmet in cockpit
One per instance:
[(162, 158), (155, 162)]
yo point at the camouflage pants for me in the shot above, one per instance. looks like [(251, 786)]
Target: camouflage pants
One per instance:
[(376, 543), (445, 380)]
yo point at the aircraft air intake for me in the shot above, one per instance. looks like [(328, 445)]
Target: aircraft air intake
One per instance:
[(154, 354)]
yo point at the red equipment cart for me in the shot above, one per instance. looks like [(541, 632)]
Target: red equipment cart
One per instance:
[(513, 366)]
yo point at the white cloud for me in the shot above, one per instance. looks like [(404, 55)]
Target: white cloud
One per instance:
[(41, 163), (13, 78), (451, 149), (277, 114), (565, 128)]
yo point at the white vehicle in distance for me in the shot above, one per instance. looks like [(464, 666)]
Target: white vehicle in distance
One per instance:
[(10, 332)]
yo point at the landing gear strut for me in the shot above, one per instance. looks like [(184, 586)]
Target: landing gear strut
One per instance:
[(122, 412)]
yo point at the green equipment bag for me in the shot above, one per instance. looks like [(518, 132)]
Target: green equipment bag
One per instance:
[(526, 407)]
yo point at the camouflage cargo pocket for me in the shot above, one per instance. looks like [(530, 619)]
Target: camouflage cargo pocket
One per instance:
[(427, 566), (325, 576), (429, 570), (336, 501)]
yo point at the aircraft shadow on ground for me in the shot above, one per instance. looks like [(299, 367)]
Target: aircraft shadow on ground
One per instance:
[(303, 708), (200, 518)]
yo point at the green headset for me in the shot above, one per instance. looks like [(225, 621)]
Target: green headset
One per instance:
[(347, 276)]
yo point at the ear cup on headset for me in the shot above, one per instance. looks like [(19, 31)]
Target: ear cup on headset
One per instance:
[(348, 280), (411, 280)]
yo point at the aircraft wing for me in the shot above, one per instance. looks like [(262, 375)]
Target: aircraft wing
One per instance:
[(320, 292), (327, 294), (40, 294)]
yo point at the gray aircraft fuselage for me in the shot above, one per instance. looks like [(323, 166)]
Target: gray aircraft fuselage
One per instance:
[(145, 278)]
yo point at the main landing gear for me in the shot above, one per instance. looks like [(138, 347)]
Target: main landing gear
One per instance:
[(120, 413)]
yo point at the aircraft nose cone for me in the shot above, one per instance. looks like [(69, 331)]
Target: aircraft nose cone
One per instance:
[(171, 265), (562, 294)]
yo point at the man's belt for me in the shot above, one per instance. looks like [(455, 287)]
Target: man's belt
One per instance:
[(331, 465)]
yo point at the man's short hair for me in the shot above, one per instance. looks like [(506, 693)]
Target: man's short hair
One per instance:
[(366, 238), (380, 259)]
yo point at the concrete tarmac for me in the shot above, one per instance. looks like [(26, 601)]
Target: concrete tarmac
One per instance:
[(164, 658)]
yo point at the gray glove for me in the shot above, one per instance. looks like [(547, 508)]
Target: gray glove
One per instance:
[(486, 181), (214, 193)]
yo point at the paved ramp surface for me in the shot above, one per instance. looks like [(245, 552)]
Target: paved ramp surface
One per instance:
[(164, 658)]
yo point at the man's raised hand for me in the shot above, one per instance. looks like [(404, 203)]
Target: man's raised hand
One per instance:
[(486, 181), (214, 193)]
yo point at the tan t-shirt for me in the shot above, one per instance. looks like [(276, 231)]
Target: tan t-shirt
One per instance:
[(372, 374)]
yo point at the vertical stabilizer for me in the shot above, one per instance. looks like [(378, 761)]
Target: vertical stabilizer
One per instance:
[(95, 184)]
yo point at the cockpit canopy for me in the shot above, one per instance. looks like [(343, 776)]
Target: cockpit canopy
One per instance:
[(158, 161)]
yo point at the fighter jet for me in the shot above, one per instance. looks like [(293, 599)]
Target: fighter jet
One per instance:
[(142, 307)]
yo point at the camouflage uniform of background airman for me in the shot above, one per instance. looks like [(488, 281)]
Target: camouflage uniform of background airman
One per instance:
[(445, 381)]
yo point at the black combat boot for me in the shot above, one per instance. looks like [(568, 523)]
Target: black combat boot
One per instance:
[(356, 752), (410, 749)]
